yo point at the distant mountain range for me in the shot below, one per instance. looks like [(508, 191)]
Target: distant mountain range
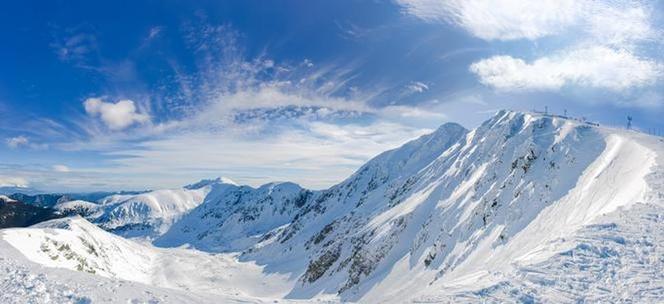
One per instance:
[(7, 190), (51, 199), (15, 213)]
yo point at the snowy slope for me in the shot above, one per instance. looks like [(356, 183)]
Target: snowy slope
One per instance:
[(6, 199), (498, 196), (617, 259), (151, 214), (524, 208), (235, 217), (77, 246), (24, 281)]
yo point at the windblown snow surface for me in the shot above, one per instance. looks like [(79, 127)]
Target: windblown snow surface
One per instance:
[(525, 208)]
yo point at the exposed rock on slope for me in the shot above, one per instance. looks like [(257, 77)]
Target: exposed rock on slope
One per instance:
[(79, 207), (236, 217)]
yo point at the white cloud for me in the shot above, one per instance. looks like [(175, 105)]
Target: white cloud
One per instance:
[(603, 39), (17, 141), (46, 178), (22, 141), (533, 19), (598, 67), (500, 19), (619, 23), (116, 116), (155, 31), (296, 121), (61, 168), (276, 95), (277, 143), (6, 181), (424, 116), (210, 142), (417, 87), (298, 155)]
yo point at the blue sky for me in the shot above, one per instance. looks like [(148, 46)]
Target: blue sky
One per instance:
[(152, 94)]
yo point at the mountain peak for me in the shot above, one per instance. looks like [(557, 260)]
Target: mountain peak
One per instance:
[(206, 182), (6, 199)]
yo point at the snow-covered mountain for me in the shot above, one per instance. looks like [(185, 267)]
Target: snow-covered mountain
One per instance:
[(448, 206), (146, 214), (150, 214), (71, 260), (79, 207), (235, 217), (526, 207), (76, 244)]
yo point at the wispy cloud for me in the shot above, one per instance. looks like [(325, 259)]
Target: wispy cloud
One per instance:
[(24, 142), (244, 116), (74, 47), (17, 141), (499, 20), (154, 32), (9, 181), (601, 41), (417, 87), (61, 168), (317, 156), (514, 19), (61, 178)]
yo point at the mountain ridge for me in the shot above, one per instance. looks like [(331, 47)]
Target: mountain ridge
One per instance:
[(451, 215)]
